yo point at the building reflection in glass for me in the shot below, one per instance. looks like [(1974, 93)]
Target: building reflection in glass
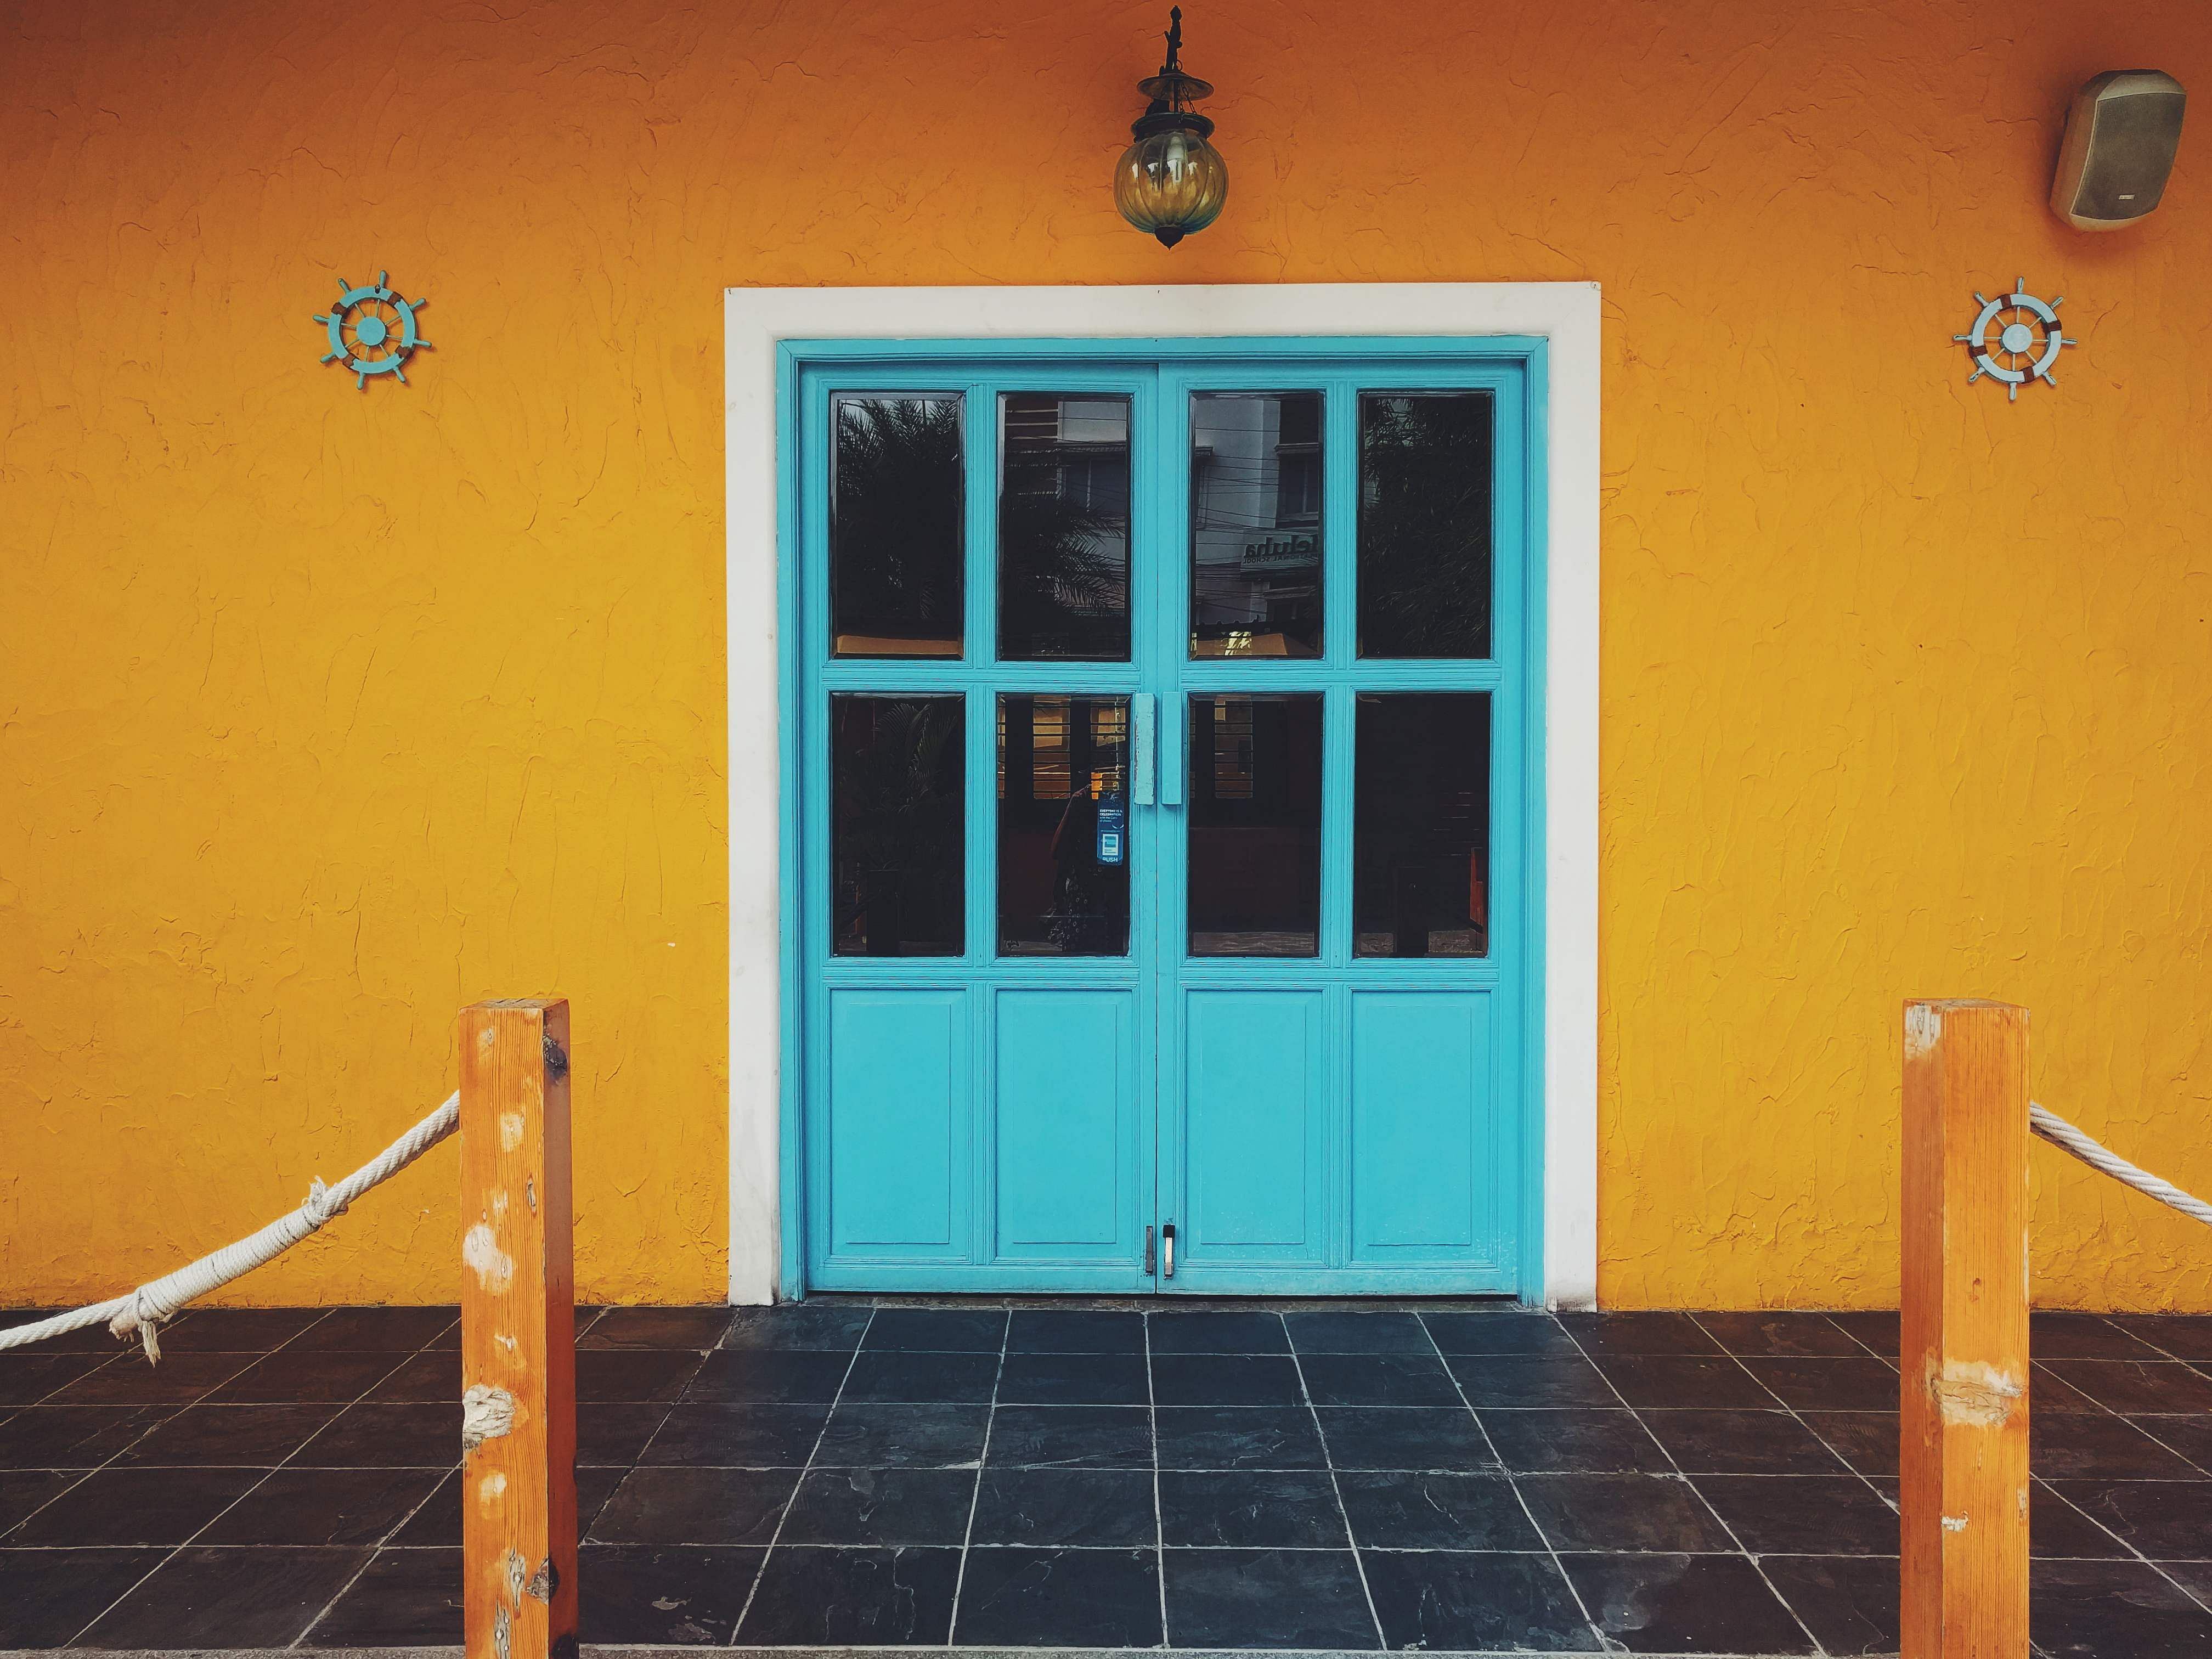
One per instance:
[(1256, 537), (1063, 527)]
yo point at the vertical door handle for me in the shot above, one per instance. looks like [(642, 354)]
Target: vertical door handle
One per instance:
[(1167, 1249), (1149, 1266), (1140, 749), (1171, 734)]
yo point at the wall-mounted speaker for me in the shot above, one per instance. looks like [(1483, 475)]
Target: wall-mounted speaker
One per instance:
[(2121, 135)]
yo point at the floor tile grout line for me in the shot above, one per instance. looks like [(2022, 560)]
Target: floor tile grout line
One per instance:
[(760, 1572), (1329, 1458), (2202, 1367), (975, 1494), (2135, 1422), (266, 1474), (2112, 1323), (1849, 1467), (286, 1461), (375, 1550), (1849, 1335), (176, 1409), (1796, 1618), (2155, 1566), (2204, 1469), (1513, 1485), (2203, 1601), (667, 1410), (116, 1358), (307, 1629), (83, 1475), (1159, 1520), (2124, 1543)]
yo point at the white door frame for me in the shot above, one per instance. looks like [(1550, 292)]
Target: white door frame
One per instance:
[(1565, 314)]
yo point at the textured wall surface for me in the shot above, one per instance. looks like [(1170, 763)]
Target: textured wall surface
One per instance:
[(322, 713)]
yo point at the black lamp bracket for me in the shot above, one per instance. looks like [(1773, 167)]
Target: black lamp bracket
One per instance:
[(1172, 92)]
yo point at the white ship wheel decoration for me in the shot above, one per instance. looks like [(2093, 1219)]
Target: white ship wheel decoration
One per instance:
[(372, 330), (2027, 339)]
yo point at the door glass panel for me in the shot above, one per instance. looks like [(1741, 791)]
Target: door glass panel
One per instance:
[(1255, 826), (1420, 825), (1255, 565), (896, 546), (898, 887), (1063, 826), (1424, 502), (1063, 527)]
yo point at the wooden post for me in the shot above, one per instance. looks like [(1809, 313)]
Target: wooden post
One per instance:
[(1964, 1365), (517, 1335)]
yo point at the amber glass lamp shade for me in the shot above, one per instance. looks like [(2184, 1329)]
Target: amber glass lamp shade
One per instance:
[(1171, 181)]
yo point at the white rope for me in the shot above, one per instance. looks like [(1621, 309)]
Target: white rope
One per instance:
[(145, 1309), (2063, 1135)]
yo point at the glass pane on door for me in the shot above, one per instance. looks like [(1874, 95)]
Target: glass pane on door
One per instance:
[(898, 837), (1063, 527), (1424, 510), (1063, 826), (1255, 544), (1254, 852), (895, 542), (1420, 824)]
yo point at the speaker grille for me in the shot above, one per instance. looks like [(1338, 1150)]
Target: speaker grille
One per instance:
[(2131, 149)]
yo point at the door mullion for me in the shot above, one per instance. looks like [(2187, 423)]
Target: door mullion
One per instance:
[(1340, 510), (979, 479), (1167, 455), (1340, 604), (1149, 569)]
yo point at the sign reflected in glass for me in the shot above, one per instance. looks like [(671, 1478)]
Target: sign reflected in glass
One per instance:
[(1256, 537), (896, 540)]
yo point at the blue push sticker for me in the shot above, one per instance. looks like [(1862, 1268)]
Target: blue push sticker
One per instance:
[(1113, 831)]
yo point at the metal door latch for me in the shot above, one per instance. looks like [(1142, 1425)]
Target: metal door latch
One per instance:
[(1149, 1267), (1167, 1250)]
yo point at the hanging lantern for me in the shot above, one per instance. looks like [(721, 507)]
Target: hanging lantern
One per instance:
[(1171, 181)]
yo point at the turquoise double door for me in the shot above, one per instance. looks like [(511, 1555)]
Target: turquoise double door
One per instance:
[(1160, 741)]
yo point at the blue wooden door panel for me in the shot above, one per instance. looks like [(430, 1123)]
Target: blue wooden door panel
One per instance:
[(1067, 1133), (1255, 1115), (898, 1123), (1426, 1183), (1329, 1123)]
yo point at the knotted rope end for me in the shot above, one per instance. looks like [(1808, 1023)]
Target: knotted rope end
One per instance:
[(141, 1319), (321, 1206)]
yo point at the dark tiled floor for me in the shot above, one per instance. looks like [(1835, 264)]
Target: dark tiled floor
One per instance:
[(843, 1474)]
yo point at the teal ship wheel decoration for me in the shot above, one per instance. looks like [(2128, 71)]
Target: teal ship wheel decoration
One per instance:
[(2027, 339), (372, 330)]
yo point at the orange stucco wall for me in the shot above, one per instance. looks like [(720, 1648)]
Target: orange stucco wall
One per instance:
[(322, 713)]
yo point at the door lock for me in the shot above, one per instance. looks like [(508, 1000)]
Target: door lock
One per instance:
[(1167, 1250)]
